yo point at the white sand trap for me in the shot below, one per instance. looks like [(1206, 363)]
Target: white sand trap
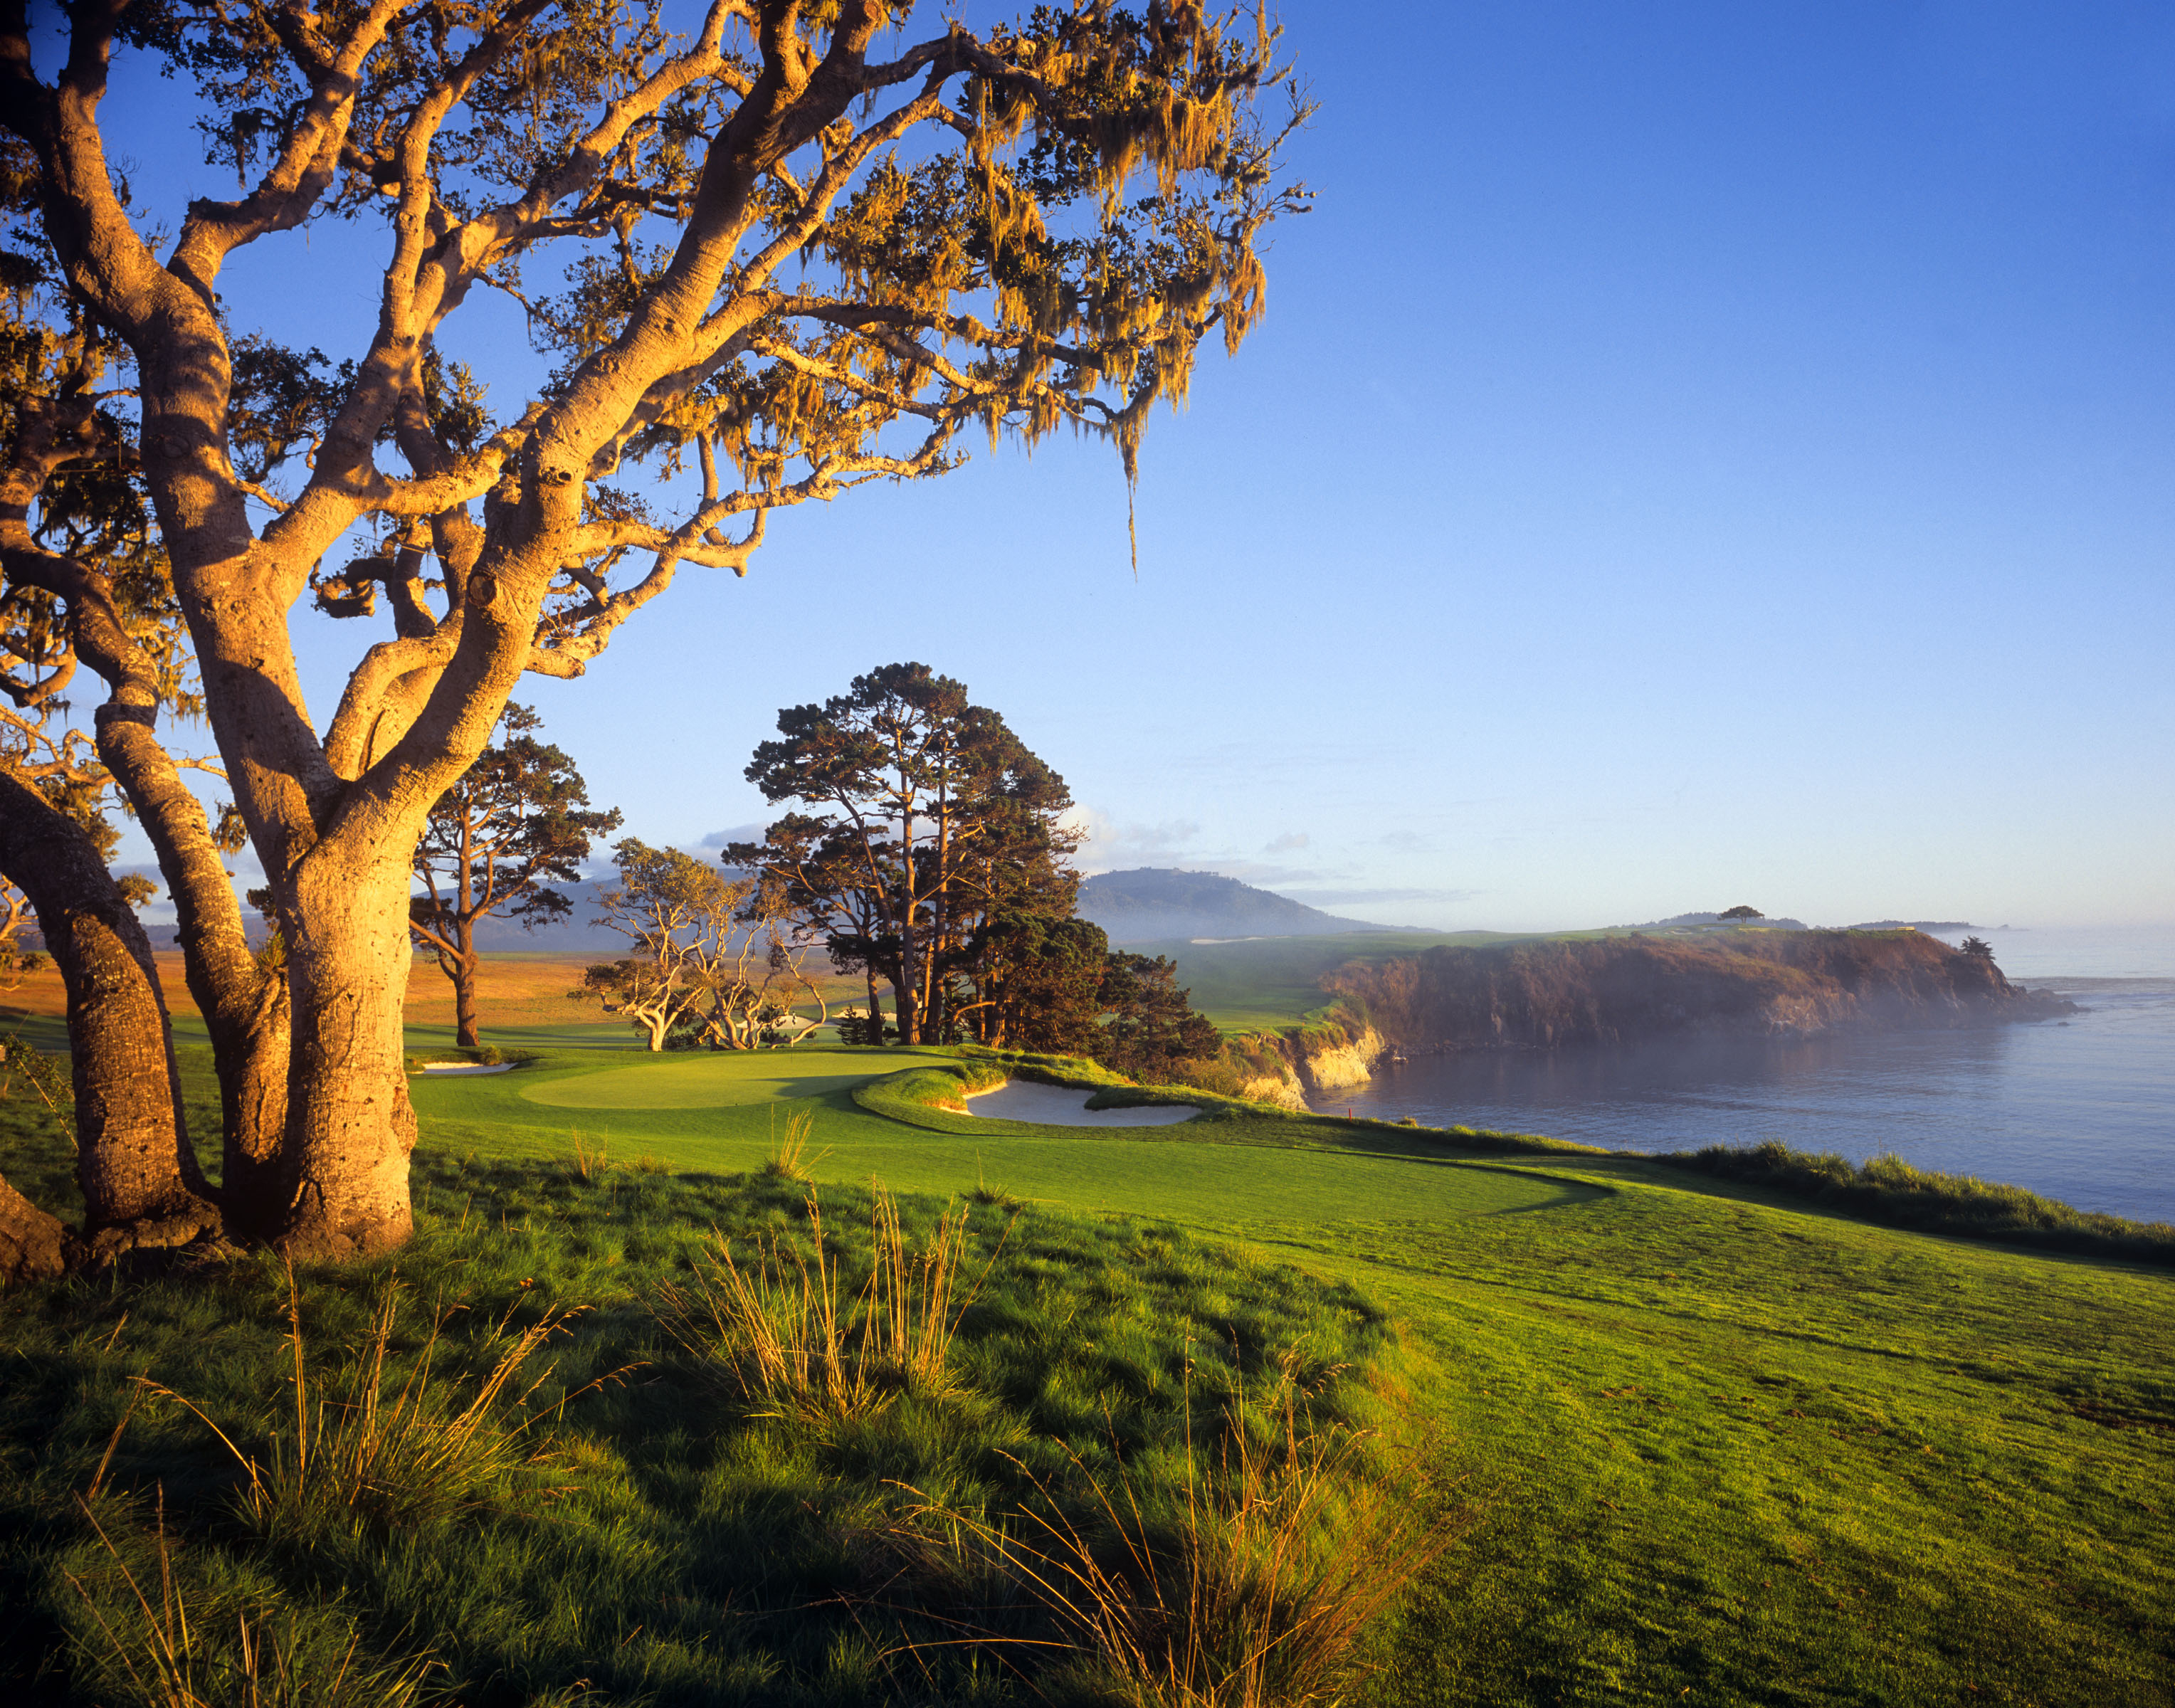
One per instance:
[(1067, 1106), (451, 1068)]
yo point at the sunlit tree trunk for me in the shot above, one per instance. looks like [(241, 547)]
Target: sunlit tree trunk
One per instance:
[(141, 1185), (244, 1005), (349, 1126)]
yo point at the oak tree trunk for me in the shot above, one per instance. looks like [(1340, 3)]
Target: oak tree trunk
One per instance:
[(349, 1126), (244, 1005), (141, 1184), (33, 1245)]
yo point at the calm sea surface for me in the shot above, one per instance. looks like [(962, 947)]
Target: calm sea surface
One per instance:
[(2082, 1110)]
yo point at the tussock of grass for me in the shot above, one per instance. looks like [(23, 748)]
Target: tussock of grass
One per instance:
[(1887, 1189), (385, 1448), (810, 1332), (1255, 1587), (788, 1158), (591, 1157)]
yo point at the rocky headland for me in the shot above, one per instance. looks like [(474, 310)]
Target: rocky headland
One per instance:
[(1619, 989), (1625, 988)]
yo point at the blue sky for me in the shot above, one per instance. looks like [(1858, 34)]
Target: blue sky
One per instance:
[(1695, 453)]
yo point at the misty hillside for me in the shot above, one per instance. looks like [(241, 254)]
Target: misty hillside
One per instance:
[(1147, 904), (574, 931), (1151, 902)]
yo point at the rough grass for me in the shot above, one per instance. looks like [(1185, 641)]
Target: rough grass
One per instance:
[(1887, 1189), (622, 1522), (1255, 1588)]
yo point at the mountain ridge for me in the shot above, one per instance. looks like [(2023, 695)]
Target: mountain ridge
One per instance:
[(1150, 903)]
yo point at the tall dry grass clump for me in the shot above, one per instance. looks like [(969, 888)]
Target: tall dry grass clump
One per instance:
[(797, 1337), (387, 1448), (592, 1162), (1255, 1590), (788, 1158)]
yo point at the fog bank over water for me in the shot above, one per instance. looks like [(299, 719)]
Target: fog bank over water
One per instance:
[(2082, 1110)]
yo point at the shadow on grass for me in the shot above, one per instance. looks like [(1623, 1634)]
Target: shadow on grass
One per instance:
[(662, 1537)]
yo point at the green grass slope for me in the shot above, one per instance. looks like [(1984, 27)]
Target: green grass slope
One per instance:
[(1710, 1444)]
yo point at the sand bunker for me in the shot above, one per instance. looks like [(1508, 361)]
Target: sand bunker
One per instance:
[(1067, 1106), (456, 1067)]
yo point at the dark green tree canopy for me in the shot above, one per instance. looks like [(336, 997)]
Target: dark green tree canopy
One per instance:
[(925, 818)]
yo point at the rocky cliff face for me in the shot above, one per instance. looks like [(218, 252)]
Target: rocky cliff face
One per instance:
[(1284, 1088), (1290, 1065), (1616, 989), (1330, 1067)]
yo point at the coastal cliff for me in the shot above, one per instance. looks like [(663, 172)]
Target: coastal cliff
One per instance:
[(1621, 989), (1337, 1049)]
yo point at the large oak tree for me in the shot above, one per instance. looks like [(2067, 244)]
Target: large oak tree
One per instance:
[(792, 251)]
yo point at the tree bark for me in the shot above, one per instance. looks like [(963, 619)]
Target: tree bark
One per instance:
[(351, 1127), (141, 1184), (245, 1006), (33, 1245)]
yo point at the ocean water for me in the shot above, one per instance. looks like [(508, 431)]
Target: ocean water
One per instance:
[(2082, 1109)]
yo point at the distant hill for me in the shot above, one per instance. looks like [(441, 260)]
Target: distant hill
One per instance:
[(1155, 902), (577, 933)]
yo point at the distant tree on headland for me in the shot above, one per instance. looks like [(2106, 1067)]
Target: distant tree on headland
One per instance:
[(1740, 915), (1979, 947), (495, 843)]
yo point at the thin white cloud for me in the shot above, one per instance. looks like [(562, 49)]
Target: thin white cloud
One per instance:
[(1290, 842), (1107, 846)]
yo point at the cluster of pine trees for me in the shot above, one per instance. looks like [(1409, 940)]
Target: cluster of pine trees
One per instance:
[(925, 849)]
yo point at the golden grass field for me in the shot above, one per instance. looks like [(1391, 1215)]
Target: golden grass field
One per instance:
[(523, 989)]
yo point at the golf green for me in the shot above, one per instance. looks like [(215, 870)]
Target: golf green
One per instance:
[(690, 1081)]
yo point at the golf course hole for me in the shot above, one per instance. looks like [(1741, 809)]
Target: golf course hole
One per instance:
[(719, 1080)]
